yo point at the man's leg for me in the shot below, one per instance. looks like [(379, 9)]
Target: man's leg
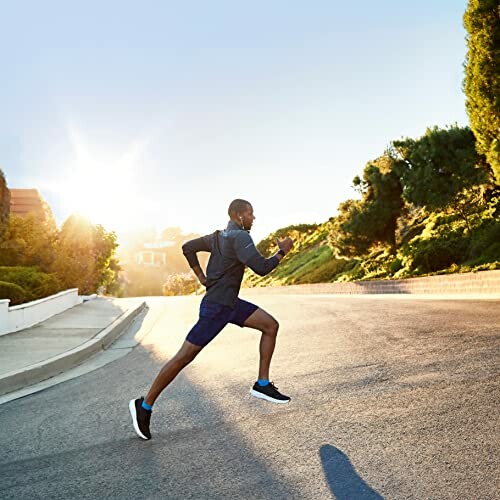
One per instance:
[(265, 323), (263, 388), (213, 318), (140, 409), (170, 370)]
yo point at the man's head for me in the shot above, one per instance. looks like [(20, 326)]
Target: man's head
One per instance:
[(241, 212)]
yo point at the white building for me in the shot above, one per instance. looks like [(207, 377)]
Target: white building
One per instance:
[(152, 254)]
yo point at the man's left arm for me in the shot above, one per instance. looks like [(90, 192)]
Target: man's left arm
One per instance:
[(248, 254)]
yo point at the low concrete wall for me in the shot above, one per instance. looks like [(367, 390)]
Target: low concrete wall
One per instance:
[(23, 316), (42, 370), (483, 282)]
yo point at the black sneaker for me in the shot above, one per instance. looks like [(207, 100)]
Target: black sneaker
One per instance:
[(268, 392), (140, 418)]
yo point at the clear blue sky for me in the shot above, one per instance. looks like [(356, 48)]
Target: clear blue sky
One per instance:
[(159, 113)]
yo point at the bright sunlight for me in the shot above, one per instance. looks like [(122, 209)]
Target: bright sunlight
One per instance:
[(101, 185)]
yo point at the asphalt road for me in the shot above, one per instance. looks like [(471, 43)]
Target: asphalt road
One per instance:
[(392, 397)]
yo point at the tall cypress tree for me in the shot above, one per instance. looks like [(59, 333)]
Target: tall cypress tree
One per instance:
[(482, 81)]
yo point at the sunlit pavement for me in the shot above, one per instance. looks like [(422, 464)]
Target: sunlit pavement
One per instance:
[(391, 397)]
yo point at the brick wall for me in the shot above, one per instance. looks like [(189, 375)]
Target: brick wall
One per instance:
[(487, 282)]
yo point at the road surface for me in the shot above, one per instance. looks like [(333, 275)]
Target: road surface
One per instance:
[(392, 397)]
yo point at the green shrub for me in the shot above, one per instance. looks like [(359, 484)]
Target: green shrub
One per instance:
[(180, 284), (15, 293), (299, 233), (435, 254), (33, 281), (351, 271), (395, 265), (325, 272), (304, 262), (492, 253), (485, 243)]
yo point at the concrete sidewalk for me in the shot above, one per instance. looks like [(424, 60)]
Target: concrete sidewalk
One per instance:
[(63, 341)]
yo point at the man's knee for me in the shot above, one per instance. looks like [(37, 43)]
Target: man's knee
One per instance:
[(271, 328), (184, 357)]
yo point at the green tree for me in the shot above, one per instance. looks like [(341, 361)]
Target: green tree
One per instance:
[(107, 266), (346, 239), (482, 82), (373, 219), (86, 256), (437, 166), (28, 242)]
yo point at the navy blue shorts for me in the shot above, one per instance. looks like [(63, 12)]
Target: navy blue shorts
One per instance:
[(214, 317)]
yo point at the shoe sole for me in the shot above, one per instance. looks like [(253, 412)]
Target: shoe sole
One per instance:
[(257, 394), (131, 407)]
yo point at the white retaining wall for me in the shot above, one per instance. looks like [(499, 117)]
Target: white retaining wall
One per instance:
[(22, 316)]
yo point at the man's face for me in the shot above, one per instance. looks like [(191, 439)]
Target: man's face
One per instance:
[(247, 218)]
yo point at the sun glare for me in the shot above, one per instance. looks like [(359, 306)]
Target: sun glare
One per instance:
[(100, 185)]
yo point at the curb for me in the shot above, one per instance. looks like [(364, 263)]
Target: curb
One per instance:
[(37, 372)]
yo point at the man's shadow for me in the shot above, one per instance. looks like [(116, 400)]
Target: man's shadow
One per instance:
[(342, 478)]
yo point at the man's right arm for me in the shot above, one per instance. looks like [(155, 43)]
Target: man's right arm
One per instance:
[(190, 249)]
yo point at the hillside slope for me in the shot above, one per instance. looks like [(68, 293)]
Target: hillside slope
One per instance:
[(428, 243)]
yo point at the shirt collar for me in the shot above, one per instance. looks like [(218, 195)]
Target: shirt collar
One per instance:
[(231, 225)]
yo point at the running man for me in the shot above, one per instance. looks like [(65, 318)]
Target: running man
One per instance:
[(230, 251)]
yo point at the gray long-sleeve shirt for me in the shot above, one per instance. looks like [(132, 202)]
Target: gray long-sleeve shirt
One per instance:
[(230, 251)]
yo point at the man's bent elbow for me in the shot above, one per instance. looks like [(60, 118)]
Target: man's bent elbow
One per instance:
[(186, 248), (262, 271)]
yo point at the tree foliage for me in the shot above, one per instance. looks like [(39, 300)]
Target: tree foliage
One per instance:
[(85, 256), (482, 81), (437, 166), (373, 219), (28, 242), (79, 255), (347, 234), (15, 293), (180, 284), (268, 247), (34, 283)]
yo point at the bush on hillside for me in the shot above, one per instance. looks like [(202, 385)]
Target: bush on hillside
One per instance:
[(298, 233), (485, 243), (15, 293), (325, 272), (377, 264), (35, 283), (180, 284), (435, 254)]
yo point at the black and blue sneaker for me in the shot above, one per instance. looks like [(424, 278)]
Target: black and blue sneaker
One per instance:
[(268, 392), (140, 418)]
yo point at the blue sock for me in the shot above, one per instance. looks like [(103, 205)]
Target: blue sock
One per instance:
[(146, 406), (263, 382)]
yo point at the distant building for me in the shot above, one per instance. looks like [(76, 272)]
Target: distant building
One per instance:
[(25, 202), (153, 254)]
